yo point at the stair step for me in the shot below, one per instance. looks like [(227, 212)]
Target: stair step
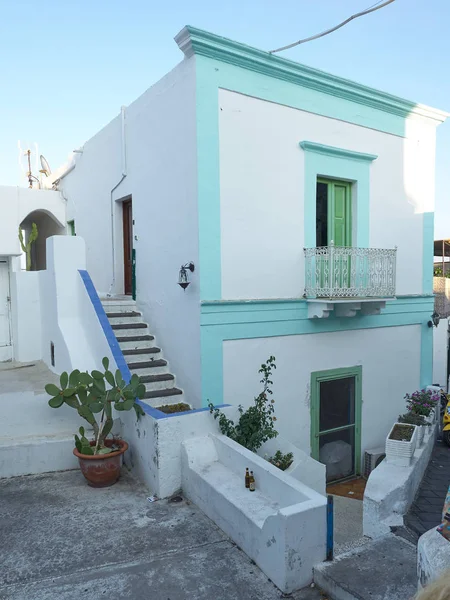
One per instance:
[(138, 351), (136, 345), (127, 313), (163, 393), (374, 570), (149, 364), (135, 338), (125, 318), (158, 382), (118, 326), (118, 305), (154, 378)]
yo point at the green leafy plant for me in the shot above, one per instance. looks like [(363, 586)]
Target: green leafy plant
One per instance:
[(412, 419), (88, 395), (280, 460), (256, 424), (27, 247)]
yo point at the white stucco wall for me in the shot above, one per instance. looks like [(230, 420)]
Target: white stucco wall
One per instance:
[(262, 193), (390, 359), (16, 204), (67, 315), (161, 178), (440, 345)]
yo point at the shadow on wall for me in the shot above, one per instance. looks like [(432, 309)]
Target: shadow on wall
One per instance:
[(47, 226)]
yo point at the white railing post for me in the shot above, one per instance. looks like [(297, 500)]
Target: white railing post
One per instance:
[(332, 266)]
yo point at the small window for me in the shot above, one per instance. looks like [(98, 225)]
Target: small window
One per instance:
[(71, 227)]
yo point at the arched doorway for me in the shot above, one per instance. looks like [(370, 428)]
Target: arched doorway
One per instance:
[(47, 226)]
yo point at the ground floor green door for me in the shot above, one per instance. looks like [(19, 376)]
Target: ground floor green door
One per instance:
[(336, 421)]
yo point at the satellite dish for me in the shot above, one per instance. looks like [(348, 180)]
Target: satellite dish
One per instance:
[(45, 166)]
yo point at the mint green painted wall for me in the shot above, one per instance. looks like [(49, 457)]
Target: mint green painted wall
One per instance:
[(213, 74), (265, 319), (222, 321)]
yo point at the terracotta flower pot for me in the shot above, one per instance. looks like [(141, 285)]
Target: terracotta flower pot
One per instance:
[(102, 470)]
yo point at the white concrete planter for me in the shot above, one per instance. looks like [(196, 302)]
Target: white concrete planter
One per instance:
[(420, 435), (431, 418), (400, 452)]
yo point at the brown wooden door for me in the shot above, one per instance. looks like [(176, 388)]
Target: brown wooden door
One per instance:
[(127, 244)]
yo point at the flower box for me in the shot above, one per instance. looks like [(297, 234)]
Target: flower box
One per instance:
[(400, 451)]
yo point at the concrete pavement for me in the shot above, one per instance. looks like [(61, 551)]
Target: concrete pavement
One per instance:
[(63, 540)]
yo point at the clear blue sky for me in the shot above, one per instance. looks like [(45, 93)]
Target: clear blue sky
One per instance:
[(67, 67)]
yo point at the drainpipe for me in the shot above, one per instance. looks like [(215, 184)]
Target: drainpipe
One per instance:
[(124, 174)]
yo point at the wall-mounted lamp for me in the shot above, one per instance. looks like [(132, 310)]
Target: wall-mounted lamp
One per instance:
[(435, 318), (183, 276)]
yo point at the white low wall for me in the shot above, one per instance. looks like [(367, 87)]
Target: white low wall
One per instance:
[(281, 526), (433, 557), (303, 468), (26, 318), (155, 445), (391, 489)]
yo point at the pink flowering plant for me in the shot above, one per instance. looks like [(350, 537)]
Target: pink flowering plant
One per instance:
[(421, 402)]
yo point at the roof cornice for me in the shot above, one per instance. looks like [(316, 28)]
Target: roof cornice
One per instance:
[(196, 41)]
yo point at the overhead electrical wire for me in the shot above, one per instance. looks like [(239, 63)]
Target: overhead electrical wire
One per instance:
[(371, 9)]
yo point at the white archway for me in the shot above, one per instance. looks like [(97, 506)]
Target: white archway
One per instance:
[(47, 226)]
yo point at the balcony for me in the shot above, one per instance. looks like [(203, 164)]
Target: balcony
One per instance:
[(348, 281)]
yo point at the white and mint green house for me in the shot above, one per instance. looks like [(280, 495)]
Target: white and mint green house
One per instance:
[(305, 202)]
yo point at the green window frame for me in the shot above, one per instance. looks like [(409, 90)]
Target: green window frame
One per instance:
[(71, 226), (316, 378)]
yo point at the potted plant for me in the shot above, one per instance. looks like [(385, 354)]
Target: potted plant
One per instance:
[(423, 402), (401, 443), (415, 419), (100, 458)]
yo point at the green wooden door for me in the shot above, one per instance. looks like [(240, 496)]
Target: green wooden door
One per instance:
[(334, 224), (339, 229), (336, 421)]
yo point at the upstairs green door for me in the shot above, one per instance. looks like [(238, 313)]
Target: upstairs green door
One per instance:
[(334, 213)]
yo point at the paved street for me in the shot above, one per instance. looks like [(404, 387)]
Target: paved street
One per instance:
[(426, 511)]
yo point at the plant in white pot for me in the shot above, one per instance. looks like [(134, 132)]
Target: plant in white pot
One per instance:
[(423, 402), (401, 444), (418, 420)]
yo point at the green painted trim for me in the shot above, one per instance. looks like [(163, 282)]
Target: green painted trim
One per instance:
[(339, 152), (247, 319), (322, 166), (202, 43), (71, 226), (316, 378)]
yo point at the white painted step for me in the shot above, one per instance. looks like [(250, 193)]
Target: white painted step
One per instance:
[(129, 331), (125, 317), (136, 343), (153, 370), (149, 355), (162, 381), (118, 305), (31, 455)]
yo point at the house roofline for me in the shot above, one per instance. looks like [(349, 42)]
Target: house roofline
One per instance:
[(193, 41)]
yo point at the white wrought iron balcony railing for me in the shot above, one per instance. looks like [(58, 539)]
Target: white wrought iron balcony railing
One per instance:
[(343, 272)]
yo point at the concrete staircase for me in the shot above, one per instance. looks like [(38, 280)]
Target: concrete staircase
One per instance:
[(141, 353)]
